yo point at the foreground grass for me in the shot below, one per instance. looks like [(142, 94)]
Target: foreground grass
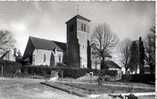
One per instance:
[(24, 88), (30, 89)]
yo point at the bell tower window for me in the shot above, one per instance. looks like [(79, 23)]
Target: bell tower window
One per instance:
[(83, 27)]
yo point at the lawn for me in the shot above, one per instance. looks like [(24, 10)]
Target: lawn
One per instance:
[(19, 88), (24, 88)]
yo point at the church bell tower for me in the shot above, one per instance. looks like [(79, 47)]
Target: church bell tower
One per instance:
[(77, 41)]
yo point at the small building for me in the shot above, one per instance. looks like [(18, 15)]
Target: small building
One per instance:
[(113, 66), (44, 52)]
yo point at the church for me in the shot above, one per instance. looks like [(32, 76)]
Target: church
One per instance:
[(76, 53)]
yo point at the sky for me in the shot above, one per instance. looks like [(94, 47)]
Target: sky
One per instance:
[(47, 19)]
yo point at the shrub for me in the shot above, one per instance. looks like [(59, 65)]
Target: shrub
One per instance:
[(108, 72)]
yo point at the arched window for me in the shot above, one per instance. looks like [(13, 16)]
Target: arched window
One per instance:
[(33, 59), (59, 58), (44, 57)]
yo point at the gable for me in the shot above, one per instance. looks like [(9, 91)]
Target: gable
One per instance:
[(29, 49)]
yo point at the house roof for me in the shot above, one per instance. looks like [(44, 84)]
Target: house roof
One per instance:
[(112, 64), (39, 43)]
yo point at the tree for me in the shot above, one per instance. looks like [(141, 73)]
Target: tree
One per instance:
[(6, 42), (150, 49), (6, 39), (141, 55), (134, 57), (125, 53), (102, 41)]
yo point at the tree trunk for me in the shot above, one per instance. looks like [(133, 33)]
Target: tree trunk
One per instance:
[(103, 66)]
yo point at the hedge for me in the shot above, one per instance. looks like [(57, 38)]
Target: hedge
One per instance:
[(144, 78), (37, 70), (141, 78), (10, 68), (45, 70), (67, 72), (75, 73)]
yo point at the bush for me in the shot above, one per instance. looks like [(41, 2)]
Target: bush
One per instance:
[(108, 72)]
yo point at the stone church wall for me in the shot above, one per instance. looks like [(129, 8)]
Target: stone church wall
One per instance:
[(82, 40), (43, 57)]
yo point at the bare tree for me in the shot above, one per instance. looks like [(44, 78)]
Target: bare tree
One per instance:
[(125, 53), (6, 42), (102, 41)]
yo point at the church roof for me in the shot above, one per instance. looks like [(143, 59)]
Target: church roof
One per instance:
[(79, 17), (61, 45), (39, 43)]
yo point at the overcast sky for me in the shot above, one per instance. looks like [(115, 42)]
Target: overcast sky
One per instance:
[(47, 19)]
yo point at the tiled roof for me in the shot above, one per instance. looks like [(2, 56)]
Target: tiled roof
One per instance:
[(39, 43)]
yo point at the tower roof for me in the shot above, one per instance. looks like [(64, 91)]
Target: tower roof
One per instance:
[(78, 17)]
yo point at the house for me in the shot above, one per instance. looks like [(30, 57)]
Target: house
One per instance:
[(115, 67), (44, 52)]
